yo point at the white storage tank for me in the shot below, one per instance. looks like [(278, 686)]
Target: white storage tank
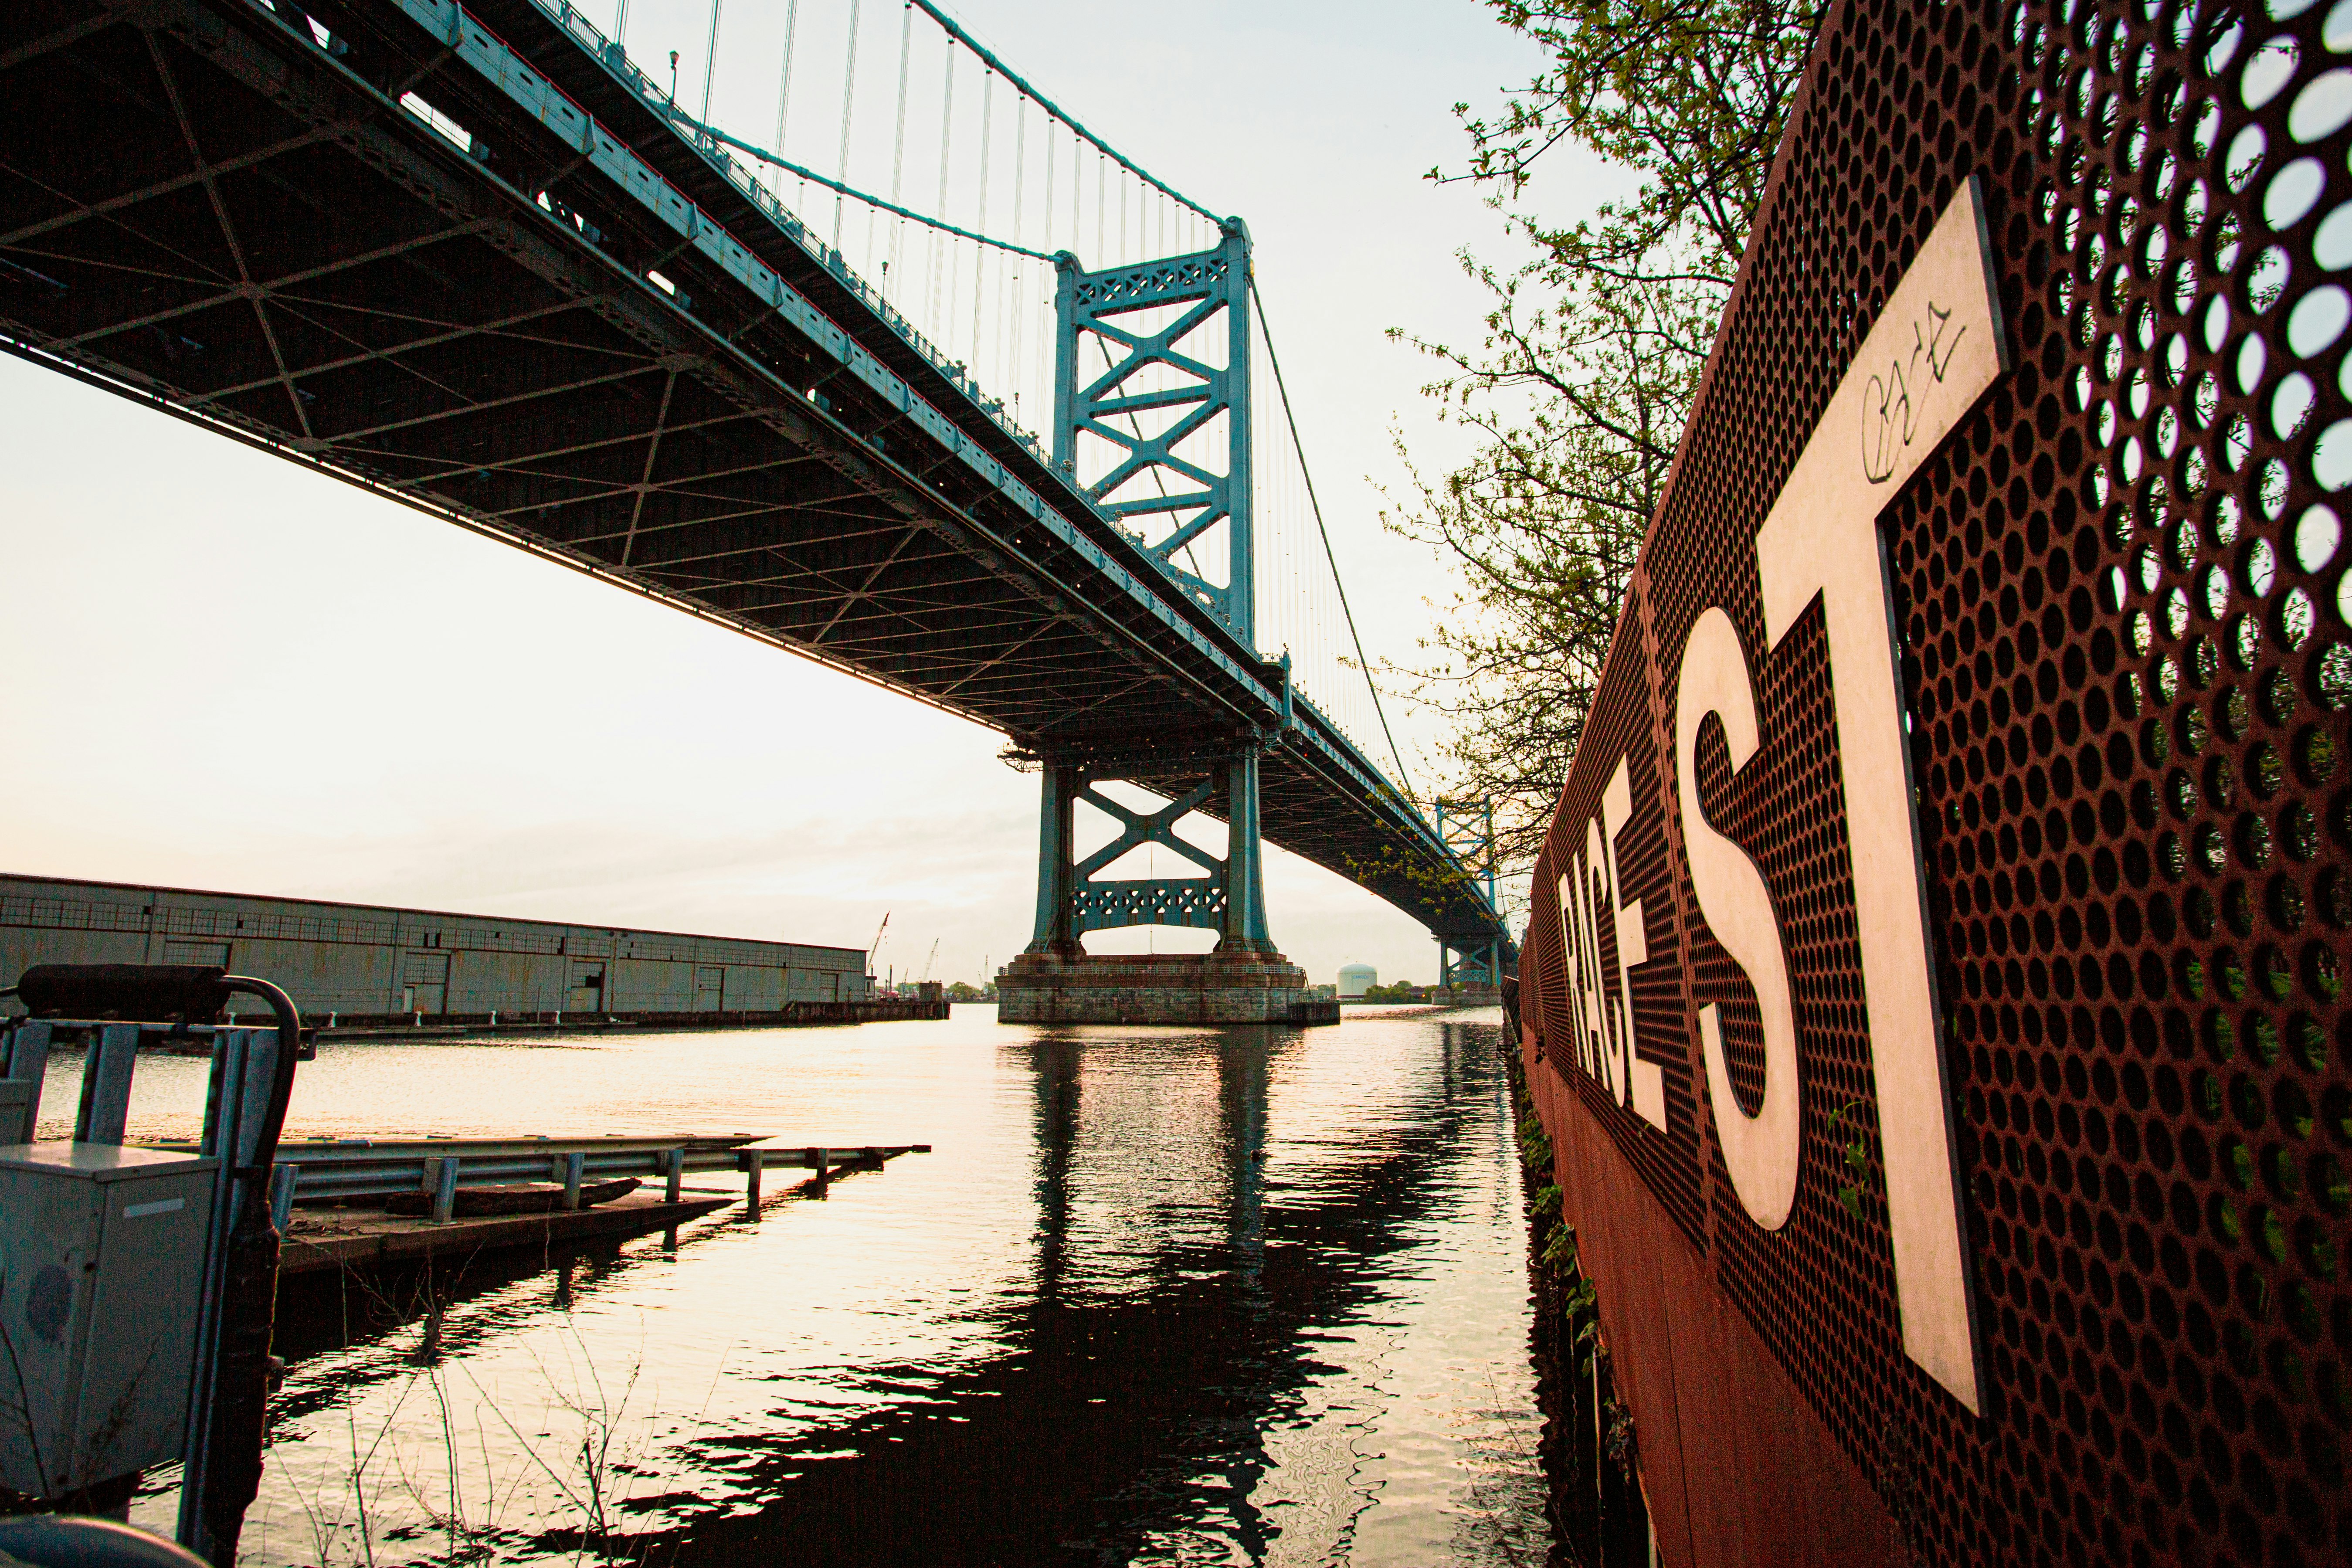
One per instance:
[(1355, 979)]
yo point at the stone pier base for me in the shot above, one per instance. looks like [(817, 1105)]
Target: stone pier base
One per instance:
[(1158, 988)]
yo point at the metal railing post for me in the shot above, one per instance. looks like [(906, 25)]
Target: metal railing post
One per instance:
[(283, 1179), (444, 1187), (106, 1085)]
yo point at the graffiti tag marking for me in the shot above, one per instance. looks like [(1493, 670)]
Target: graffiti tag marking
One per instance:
[(1890, 419)]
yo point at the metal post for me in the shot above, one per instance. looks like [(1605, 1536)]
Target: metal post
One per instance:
[(106, 1085), (674, 1169), (28, 1063), (220, 1472), (444, 1187), (822, 1160), (754, 1160), (1067, 275), (575, 1166), (283, 1179), (221, 1137)]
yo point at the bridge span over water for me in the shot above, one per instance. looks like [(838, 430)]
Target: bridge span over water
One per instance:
[(472, 260)]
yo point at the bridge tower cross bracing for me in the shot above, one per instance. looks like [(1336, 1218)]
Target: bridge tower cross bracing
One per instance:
[(1160, 406), (1466, 828)]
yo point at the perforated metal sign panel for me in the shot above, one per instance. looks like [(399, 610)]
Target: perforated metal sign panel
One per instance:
[(2077, 1295)]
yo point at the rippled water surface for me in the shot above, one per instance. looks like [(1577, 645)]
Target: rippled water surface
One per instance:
[(1158, 1295)]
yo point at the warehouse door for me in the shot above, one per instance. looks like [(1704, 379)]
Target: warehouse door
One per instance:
[(587, 993), (425, 983), (709, 987)]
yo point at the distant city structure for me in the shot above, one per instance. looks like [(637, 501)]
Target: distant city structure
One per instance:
[(365, 962), (1355, 979)]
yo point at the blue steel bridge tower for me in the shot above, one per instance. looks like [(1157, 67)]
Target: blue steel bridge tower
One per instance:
[(1136, 369)]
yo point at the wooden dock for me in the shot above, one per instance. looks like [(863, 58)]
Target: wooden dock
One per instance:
[(347, 1238)]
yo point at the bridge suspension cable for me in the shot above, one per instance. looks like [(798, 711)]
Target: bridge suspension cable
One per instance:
[(772, 158), (948, 24), (1323, 533)]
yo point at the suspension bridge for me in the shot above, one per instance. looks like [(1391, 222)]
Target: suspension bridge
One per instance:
[(475, 259)]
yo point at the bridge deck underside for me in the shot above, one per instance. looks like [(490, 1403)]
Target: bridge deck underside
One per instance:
[(199, 208)]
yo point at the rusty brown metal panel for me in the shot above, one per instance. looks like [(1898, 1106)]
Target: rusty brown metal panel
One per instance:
[(2120, 595), (1721, 1426)]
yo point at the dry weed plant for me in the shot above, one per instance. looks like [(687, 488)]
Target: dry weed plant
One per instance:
[(472, 1478)]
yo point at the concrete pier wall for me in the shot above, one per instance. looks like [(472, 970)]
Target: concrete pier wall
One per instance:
[(1163, 988), (364, 961)]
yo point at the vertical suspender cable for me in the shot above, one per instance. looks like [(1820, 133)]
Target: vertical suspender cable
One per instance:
[(710, 61), (898, 150), (1403, 778), (1102, 176), (784, 89), (1046, 406), (848, 101), (980, 253), (943, 294), (621, 23), (1020, 174)]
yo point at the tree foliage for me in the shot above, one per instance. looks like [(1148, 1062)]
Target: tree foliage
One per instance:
[(1592, 350)]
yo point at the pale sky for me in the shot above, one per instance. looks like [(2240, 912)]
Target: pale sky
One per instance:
[(227, 672)]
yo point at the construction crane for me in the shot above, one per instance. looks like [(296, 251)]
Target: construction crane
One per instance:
[(877, 940), (930, 960)]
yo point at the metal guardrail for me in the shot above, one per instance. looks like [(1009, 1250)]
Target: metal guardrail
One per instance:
[(322, 1171)]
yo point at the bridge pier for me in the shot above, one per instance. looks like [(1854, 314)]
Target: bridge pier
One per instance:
[(1245, 981), (1474, 964)]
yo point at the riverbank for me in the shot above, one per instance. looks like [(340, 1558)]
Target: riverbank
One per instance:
[(1598, 1516)]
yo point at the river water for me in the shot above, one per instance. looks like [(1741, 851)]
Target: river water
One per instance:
[(1156, 1296)]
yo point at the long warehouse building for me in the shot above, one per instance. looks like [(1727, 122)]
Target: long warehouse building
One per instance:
[(360, 963)]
